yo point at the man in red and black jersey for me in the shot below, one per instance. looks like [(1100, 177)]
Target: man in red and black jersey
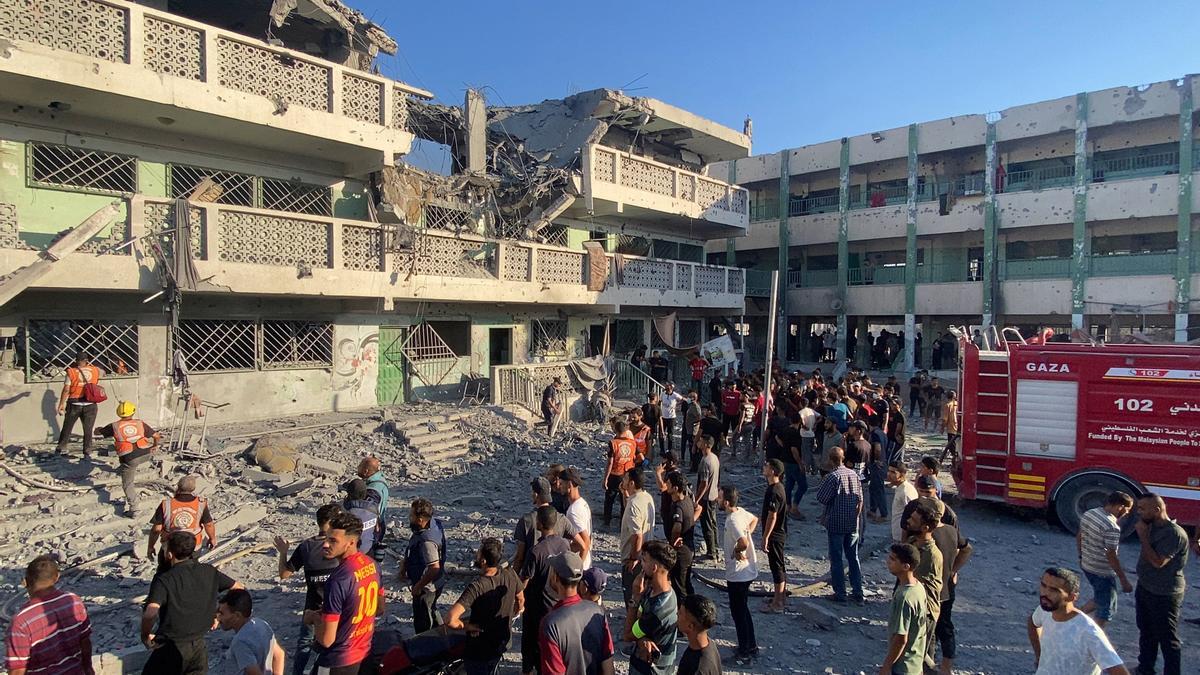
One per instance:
[(345, 623)]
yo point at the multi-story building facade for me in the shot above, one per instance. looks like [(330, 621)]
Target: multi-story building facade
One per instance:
[(268, 241), (1073, 213)]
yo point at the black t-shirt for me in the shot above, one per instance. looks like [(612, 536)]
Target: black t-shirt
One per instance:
[(857, 452), (683, 512), (705, 661), (526, 530), (187, 598), (775, 501), (651, 414), (776, 426), (658, 368), (492, 603), (711, 426), (789, 438), (548, 396), (538, 596), (317, 569)]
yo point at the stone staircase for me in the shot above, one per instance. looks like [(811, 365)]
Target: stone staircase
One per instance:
[(438, 439)]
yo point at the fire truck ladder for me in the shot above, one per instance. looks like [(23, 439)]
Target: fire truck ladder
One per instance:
[(993, 404)]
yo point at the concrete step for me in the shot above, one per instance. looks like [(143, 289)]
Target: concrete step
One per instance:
[(426, 440), (436, 420), (421, 434), (447, 454), (442, 445)]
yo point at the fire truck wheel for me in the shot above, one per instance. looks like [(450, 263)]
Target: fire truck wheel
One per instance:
[(1085, 492)]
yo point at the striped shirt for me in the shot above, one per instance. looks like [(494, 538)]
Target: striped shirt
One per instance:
[(46, 635), (1098, 531)]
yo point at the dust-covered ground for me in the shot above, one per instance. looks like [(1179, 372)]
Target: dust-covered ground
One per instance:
[(483, 494)]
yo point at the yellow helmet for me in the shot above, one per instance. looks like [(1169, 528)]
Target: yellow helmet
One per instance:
[(126, 409)]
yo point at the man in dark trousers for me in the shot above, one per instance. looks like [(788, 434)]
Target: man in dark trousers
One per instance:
[(491, 601), (317, 568), (550, 405), (183, 602), (1160, 585), (423, 564), (536, 573), (74, 405)]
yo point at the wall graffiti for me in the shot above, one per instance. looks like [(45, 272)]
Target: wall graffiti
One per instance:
[(355, 361)]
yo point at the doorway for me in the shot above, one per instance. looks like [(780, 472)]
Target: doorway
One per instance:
[(596, 340), (499, 347), (391, 385)]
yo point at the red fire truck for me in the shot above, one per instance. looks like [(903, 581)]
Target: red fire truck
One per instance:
[(1060, 425)]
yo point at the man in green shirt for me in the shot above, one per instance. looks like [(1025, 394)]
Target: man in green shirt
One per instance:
[(907, 622), (923, 521)]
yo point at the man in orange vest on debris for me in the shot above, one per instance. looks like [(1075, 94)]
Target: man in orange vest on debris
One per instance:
[(622, 456), (183, 512), (133, 440), (74, 405)]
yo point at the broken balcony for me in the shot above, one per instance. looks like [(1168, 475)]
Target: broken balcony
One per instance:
[(619, 187), (123, 63)]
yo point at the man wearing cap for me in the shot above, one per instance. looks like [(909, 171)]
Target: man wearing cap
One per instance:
[(526, 531), (592, 585), (574, 637), (536, 574), (579, 513), (133, 441)]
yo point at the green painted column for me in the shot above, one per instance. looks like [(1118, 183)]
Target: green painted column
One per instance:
[(1183, 243), (731, 242), (910, 255), (843, 246), (990, 284), (1079, 235), (785, 240)]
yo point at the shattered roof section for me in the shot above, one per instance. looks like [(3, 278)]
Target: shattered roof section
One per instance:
[(354, 22), (554, 130)]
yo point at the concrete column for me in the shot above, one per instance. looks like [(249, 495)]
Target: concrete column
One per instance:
[(475, 119), (780, 318), (1183, 243), (843, 245), (731, 243), (990, 283), (910, 254), (210, 216), (1079, 235), (137, 36)]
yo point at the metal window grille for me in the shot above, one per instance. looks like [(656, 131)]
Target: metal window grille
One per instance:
[(555, 235), (689, 333), (50, 345), (447, 216), (82, 169), (548, 338), (297, 344), (296, 197), (665, 249), (217, 344), (429, 355), (236, 189), (628, 336), (691, 253)]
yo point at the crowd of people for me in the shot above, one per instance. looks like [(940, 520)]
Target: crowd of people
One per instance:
[(848, 437)]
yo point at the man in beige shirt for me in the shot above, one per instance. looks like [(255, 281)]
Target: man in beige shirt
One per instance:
[(950, 423)]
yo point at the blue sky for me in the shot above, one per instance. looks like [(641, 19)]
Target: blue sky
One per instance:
[(804, 71)]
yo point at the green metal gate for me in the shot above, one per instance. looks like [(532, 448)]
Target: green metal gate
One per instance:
[(393, 367)]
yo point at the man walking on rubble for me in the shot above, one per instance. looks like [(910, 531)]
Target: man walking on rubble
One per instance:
[(309, 557), (133, 441), (371, 471), (78, 402), (622, 453), (550, 405), (423, 564), (182, 512)]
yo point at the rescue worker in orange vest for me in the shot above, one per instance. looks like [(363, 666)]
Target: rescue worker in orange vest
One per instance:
[(72, 406), (182, 512), (133, 440), (622, 456)]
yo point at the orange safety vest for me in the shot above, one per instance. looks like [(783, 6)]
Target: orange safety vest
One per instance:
[(78, 377), (642, 438), (130, 434), (623, 449), (181, 516)]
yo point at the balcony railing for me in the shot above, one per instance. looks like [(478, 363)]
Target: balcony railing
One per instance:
[(813, 278), (1038, 179), (758, 283), (760, 211), (941, 273), (803, 206), (1119, 168), (1038, 268), (608, 165), (670, 275), (1135, 264), (170, 45), (877, 275)]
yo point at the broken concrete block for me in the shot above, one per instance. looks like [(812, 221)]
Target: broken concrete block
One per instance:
[(321, 466), (236, 447), (257, 475), (249, 514), (294, 487)]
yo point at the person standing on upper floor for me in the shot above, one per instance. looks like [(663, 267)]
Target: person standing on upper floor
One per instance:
[(1160, 587), (1066, 641), (134, 441), (50, 634), (1098, 541), (77, 402), (671, 403), (841, 496), (423, 564)]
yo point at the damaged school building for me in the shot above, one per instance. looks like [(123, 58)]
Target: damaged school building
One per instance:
[(211, 198)]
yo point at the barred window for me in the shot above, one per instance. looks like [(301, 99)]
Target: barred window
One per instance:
[(82, 169), (297, 344), (627, 335), (296, 197), (548, 338), (214, 345), (691, 253), (50, 345), (235, 189)]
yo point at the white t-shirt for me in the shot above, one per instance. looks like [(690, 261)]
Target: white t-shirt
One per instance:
[(1076, 646), (904, 494), (670, 403), (809, 417), (579, 513), (737, 525)]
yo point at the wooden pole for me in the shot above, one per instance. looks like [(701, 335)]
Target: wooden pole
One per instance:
[(770, 356)]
